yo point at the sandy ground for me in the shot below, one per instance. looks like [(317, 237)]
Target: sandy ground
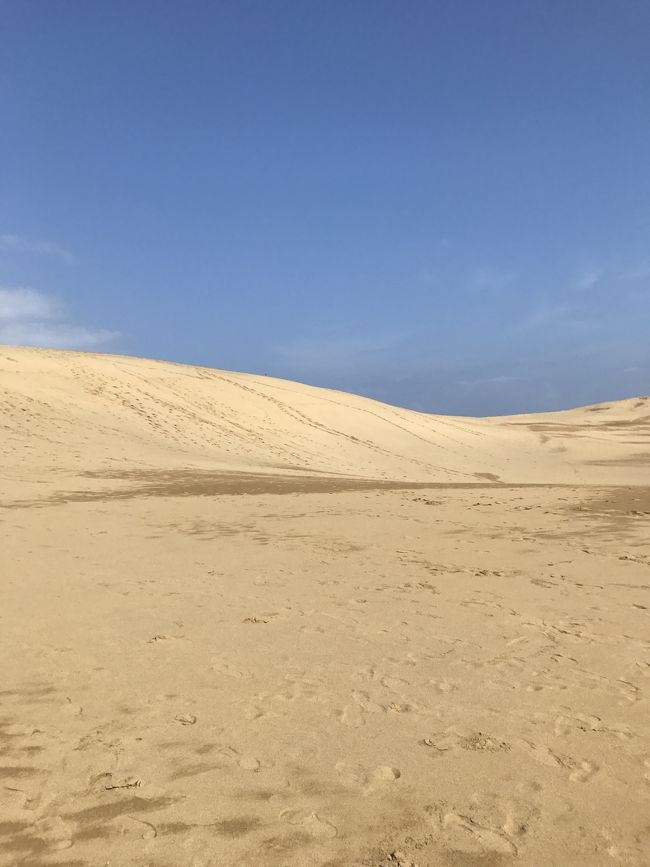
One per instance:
[(214, 657)]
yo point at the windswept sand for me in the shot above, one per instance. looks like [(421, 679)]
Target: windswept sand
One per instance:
[(248, 622)]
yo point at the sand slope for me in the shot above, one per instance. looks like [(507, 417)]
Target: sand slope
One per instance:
[(75, 413), (247, 622)]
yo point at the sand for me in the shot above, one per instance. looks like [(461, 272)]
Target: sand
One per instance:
[(248, 622)]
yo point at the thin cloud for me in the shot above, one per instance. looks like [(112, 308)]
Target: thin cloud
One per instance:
[(550, 318), (31, 318), (548, 314), (332, 351), (489, 380), (635, 275), (21, 304), (55, 335), (21, 244), (589, 278), (492, 278)]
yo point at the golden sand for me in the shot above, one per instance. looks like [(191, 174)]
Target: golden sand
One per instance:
[(245, 621)]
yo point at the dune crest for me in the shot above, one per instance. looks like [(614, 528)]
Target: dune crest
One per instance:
[(76, 413)]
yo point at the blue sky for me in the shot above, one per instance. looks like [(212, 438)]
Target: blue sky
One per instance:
[(444, 205)]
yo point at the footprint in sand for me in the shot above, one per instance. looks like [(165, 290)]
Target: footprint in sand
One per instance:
[(585, 771), (442, 742), (221, 667), (384, 773), (542, 754), (356, 776), (354, 714), (54, 833), (581, 770), (352, 775), (249, 763), (72, 709), (131, 827), (310, 823), (256, 711), (488, 839), (246, 762), (487, 827), (394, 683), (565, 725), (13, 800), (444, 686)]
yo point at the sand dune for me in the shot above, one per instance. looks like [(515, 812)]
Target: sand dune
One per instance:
[(245, 621), (76, 413)]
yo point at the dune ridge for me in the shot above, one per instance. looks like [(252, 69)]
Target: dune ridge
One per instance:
[(69, 413)]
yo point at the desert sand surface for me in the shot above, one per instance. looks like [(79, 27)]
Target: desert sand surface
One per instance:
[(245, 621)]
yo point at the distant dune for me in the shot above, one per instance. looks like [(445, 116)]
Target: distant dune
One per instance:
[(77, 414)]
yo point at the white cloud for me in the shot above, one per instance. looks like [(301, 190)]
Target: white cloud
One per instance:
[(30, 318), (20, 304), (21, 244), (54, 335)]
